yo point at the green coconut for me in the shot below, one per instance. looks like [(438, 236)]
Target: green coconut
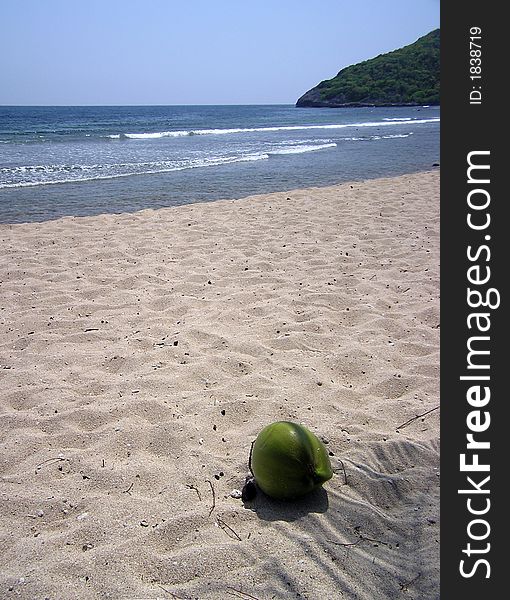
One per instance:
[(288, 461)]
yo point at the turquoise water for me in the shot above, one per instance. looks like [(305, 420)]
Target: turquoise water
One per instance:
[(57, 161)]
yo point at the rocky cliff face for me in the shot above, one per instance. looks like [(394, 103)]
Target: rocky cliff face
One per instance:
[(408, 76)]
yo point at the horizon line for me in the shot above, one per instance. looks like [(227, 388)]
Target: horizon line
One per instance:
[(132, 105)]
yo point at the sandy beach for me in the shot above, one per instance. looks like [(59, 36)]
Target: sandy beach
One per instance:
[(140, 355)]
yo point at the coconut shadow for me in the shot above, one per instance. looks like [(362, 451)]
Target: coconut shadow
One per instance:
[(269, 509)]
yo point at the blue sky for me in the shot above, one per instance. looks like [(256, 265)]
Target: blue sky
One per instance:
[(194, 52)]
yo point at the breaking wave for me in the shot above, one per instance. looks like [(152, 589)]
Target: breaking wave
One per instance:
[(183, 133), (300, 149)]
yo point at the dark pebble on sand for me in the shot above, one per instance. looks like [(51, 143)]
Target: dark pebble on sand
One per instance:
[(249, 490)]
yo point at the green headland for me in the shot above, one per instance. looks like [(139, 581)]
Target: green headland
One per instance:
[(405, 77)]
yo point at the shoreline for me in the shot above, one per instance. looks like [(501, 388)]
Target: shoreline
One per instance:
[(433, 169), (141, 353)]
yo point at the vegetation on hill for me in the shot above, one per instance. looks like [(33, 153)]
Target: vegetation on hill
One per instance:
[(407, 76)]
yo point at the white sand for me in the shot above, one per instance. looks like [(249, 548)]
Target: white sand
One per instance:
[(124, 337)]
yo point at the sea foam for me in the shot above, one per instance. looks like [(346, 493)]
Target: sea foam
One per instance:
[(301, 149), (182, 133), (76, 173)]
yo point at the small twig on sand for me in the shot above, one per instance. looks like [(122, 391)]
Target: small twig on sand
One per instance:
[(213, 497), (226, 528), (243, 594), (128, 491), (346, 545), (417, 417), (192, 487), (404, 586)]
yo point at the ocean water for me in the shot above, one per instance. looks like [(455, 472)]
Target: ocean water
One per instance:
[(58, 161)]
